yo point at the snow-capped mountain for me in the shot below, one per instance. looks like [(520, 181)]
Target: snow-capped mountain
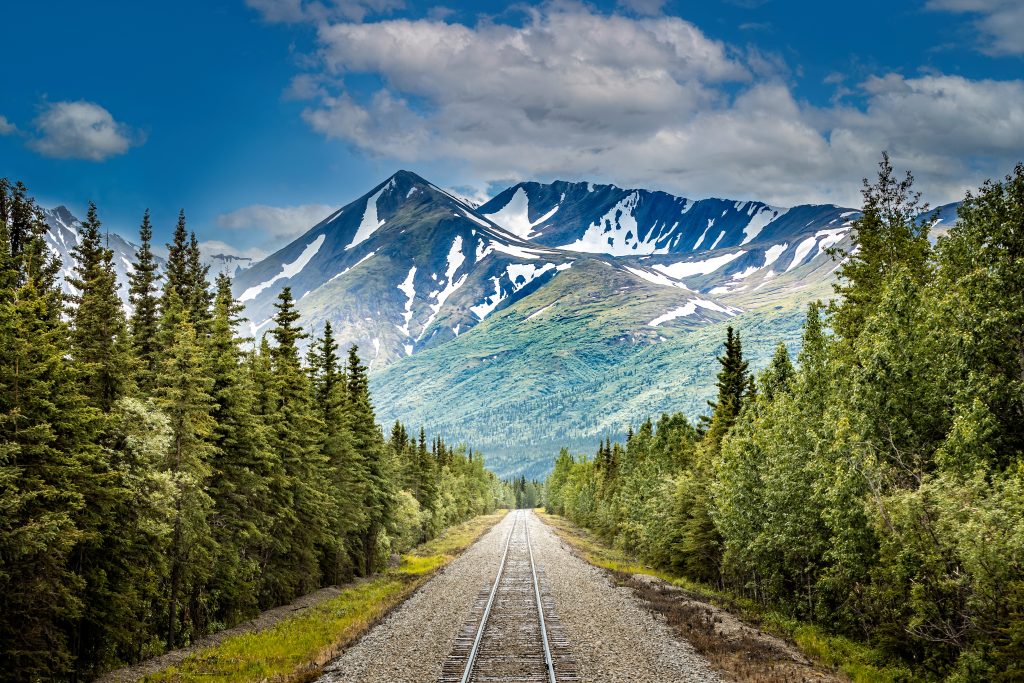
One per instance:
[(62, 237), (631, 222), (408, 266), (226, 263)]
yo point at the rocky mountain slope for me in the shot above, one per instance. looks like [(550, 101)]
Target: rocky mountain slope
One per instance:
[(551, 315), (408, 267)]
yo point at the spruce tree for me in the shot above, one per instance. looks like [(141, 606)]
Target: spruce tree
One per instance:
[(343, 464), (176, 277), (296, 434), (733, 388), (47, 436), (183, 393), (99, 340), (200, 299), (144, 323), (243, 469), (378, 495)]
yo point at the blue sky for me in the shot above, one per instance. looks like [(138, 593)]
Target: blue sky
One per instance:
[(258, 116)]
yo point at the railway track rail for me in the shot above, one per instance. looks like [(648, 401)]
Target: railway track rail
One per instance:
[(513, 632)]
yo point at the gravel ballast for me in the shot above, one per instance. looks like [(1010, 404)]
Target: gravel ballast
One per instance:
[(611, 636)]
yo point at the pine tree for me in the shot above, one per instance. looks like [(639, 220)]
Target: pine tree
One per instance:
[(145, 318), (242, 467), (183, 393), (99, 340), (176, 277), (778, 376), (343, 464), (47, 433), (733, 388), (200, 298), (296, 434), (378, 495), (889, 233)]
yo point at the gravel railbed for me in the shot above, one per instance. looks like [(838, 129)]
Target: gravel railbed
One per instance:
[(412, 642), (612, 637)]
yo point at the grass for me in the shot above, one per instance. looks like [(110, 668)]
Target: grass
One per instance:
[(295, 649), (855, 661)]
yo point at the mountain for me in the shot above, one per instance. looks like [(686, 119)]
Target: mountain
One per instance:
[(62, 238), (226, 263), (631, 222), (409, 266)]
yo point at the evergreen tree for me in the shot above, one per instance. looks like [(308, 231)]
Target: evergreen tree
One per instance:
[(145, 318), (889, 233), (378, 494), (47, 433), (295, 435), (200, 299), (176, 276), (242, 468), (99, 339), (183, 392), (733, 388), (778, 376)]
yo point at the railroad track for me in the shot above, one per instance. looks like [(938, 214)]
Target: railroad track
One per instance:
[(513, 633)]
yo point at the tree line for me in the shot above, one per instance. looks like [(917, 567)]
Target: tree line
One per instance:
[(875, 487), (161, 477)]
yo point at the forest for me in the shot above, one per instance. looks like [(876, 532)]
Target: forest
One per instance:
[(875, 486), (163, 477)]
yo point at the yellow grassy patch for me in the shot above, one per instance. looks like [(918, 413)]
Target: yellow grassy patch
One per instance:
[(296, 648)]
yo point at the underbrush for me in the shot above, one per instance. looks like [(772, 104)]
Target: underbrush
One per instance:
[(296, 648), (855, 661)]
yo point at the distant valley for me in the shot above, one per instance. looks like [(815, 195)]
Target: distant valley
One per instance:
[(552, 314)]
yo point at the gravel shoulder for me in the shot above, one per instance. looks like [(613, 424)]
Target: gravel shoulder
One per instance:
[(411, 643), (611, 636)]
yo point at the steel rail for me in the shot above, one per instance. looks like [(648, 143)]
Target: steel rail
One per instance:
[(490, 601), (540, 607)]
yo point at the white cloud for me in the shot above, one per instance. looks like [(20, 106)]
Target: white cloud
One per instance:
[(295, 11), (651, 101), (81, 130), (275, 221), (646, 7), (1000, 22), (214, 247), (6, 127)]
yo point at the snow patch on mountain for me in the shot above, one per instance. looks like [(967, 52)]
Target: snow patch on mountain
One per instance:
[(455, 260), (616, 232), (704, 267), (288, 270), (408, 287), (369, 224), (760, 221), (772, 253), (655, 278), (515, 215), (689, 308)]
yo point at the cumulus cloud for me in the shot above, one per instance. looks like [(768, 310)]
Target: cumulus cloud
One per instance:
[(6, 127), (275, 221), (574, 93), (81, 130), (1000, 22)]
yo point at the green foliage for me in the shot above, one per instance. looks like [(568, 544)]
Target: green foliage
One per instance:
[(160, 485), (877, 489)]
